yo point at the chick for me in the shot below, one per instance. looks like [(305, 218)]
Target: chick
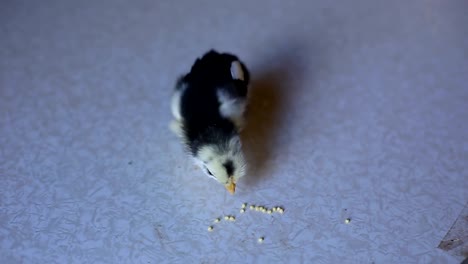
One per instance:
[(208, 106)]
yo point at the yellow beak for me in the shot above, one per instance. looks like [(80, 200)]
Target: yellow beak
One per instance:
[(231, 187)]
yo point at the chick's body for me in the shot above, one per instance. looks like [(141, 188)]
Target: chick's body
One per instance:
[(208, 107)]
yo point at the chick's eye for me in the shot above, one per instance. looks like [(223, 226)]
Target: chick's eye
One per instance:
[(208, 171)]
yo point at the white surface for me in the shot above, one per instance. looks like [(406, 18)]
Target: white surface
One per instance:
[(358, 105)]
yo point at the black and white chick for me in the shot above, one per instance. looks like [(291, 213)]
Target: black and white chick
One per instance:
[(208, 106)]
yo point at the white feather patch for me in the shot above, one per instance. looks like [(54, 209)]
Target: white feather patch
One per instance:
[(236, 71), (175, 102), (232, 108)]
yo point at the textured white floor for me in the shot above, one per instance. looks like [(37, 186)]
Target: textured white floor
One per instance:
[(359, 109)]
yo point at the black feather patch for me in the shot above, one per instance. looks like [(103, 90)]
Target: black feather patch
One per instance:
[(229, 166), (203, 123)]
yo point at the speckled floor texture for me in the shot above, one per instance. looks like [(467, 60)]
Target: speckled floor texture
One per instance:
[(359, 110)]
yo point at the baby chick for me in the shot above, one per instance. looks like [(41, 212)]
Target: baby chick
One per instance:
[(208, 106)]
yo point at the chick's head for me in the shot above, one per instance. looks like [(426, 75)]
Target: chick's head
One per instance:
[(224, 162)]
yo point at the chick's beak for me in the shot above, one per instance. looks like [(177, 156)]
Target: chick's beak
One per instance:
[(231, 187)]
